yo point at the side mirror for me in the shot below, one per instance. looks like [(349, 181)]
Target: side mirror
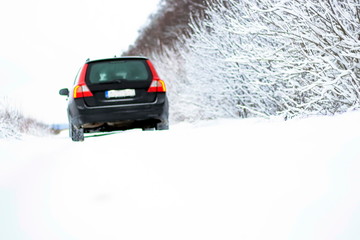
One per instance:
[(64, 92)]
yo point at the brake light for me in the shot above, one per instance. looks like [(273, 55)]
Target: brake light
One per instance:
[(157, 85), (81, 89)]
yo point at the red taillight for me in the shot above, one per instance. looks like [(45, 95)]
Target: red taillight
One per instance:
[(156, 85), (81, 90)]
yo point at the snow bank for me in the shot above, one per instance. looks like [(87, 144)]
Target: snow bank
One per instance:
[(250, 179), (13, 124)]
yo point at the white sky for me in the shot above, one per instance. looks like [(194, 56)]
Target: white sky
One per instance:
[(44, 42)]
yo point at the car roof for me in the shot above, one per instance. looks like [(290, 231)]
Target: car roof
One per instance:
[(118, 58)]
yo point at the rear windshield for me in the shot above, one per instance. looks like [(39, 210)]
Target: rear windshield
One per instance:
[(113, 71)]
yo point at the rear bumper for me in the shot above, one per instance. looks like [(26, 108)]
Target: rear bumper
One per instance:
[(80, 114)]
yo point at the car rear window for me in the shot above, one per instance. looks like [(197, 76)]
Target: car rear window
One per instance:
[(117, 70)]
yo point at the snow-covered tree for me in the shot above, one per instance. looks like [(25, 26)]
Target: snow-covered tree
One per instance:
[(268, 57), (263, 58)]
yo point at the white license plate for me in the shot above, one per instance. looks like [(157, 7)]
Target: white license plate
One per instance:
[(120, 93)]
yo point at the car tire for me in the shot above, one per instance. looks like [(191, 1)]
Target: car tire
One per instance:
[(76, 134), (148, 129), (162, 126)]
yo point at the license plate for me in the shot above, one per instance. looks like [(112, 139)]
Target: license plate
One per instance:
[(120, 93)]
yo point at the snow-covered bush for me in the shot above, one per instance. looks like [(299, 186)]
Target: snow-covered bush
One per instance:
[(13, 124), (266, 57), (269, 57)]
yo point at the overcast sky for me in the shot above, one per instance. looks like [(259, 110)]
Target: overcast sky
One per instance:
[(44, 42)]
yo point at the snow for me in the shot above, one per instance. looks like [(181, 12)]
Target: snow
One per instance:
[(221, 179)]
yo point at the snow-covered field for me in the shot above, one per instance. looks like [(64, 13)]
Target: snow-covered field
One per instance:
[(225, 179)]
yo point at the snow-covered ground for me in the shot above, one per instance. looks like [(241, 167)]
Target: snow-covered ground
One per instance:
[(225, 179)]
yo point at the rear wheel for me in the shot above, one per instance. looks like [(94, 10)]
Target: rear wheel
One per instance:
[(148, 129), (76, 134), (162, 126)]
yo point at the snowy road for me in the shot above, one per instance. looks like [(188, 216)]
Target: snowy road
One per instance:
[(227, 179)]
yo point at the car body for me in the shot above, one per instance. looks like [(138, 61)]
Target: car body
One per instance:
[(116, 94)]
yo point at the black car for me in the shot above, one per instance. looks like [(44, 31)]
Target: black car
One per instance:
[(116, 94)]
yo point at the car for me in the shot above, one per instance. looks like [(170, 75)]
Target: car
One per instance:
[(117, 93)]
